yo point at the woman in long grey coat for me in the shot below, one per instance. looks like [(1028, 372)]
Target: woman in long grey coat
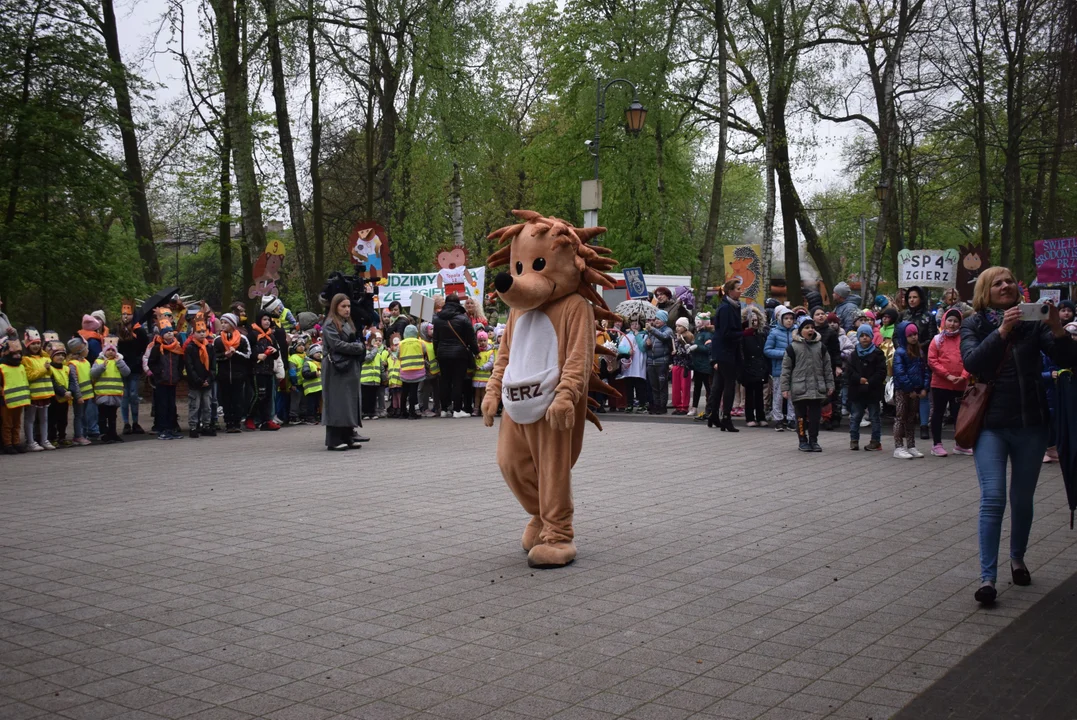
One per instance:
[(344, 356)]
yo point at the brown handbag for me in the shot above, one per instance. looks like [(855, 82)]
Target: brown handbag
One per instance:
[(973, 410)]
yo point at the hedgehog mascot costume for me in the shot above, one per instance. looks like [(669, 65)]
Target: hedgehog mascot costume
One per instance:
[(545, 369)]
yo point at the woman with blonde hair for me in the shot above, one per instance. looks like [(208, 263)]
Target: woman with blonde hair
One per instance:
[(344, 356), (998, 346)]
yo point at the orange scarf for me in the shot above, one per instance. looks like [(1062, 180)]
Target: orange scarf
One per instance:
[(266, 335), (172, 347), (87, 335), (230, 340), (203, 354)]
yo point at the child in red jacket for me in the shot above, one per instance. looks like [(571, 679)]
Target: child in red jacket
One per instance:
[(948, 378)]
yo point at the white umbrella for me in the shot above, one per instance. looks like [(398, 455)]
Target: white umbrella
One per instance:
[(633, 309)]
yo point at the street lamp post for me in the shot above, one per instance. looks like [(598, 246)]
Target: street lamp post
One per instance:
[(864, 258), (635, 116)]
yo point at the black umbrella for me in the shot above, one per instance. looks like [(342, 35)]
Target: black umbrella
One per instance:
[(1065, 421), (159, 298)]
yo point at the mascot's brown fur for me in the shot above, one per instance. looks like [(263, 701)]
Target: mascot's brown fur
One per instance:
[(544, 370)]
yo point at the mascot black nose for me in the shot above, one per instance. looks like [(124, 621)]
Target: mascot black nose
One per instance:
[(503, 282)]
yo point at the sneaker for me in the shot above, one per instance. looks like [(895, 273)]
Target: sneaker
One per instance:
[(136, 429), (855, 445), (1047, 459), (924, 433), (270, 426), (446, 414), (174, 435), (805, 446), (958, 450), (249, 424), (233, 430), (865, 423), (460, 414), (779, 427), (65, 443), (81, 441), (815, 447), (48, 446), (874, 445), (163, 436), (212, 432), (127, 428), (341, 446), (914, 452), (34, 447), (902, 454), (938, 450), (752, 423), (194, 433)]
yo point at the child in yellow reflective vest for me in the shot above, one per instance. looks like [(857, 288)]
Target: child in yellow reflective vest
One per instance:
[(15, 391), (35, 418), (396, 387), (108, 372), (61, 388), (312, 383), (78, 368), (296, 358), (412, 369), (484, 365), (429, 389), (373, 374)]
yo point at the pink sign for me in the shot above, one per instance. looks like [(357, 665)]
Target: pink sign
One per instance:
[(1056, 261)]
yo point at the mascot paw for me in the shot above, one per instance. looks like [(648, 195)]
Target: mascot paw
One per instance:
[(489, 409), (531, 534), (552, 555), (561, 414)]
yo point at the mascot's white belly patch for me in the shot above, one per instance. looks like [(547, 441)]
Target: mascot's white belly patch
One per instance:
[(533, 372)]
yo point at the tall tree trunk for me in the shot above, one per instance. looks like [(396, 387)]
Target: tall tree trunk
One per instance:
[(287, 152), (456, 188), (224, 221), (317, 209), (714, 213), (771, 206), (1064, 128), (790, 237), (230, 15), (136, 184)]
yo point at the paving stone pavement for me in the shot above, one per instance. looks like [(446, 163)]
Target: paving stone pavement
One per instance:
[(719, 575)]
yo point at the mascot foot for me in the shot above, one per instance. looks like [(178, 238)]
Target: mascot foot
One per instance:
[(531, 534), (551, 555)]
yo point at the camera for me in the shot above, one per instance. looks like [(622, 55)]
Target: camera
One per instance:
[(1034, 312), (359, 291)]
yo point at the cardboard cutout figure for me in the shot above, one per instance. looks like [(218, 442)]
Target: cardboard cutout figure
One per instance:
[(973, 261), (545, 369), (368, 245), (453, 275), (266, 270)]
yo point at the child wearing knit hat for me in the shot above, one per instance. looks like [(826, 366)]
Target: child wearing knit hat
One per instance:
[(484, 366)]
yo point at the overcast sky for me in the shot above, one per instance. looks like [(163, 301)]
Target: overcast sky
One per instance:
[(144, 37)]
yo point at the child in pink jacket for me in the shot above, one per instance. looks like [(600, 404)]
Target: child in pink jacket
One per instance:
[(948, 378)]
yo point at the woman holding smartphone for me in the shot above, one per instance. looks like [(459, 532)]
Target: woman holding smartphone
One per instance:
[(996, 345)]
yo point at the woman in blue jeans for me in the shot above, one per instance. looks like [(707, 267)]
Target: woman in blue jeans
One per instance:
[(997, 345)]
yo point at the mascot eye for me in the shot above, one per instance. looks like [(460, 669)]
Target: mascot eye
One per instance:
[(519, 268), (539, 264)]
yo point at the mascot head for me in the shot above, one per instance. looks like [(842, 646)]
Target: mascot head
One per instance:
[(547, 260)]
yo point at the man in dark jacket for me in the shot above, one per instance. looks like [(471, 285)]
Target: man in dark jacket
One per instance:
[(726, 358), (456, 349)]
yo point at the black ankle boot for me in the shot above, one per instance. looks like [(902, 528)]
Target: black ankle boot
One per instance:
[(729, 426)]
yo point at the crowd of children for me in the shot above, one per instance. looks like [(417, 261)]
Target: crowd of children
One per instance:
[(260, 375), (900, 359)]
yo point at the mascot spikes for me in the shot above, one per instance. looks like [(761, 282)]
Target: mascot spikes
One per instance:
[(545, 369)]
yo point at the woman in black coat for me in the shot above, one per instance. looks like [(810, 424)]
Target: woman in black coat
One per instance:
[(456, 350), (726, 358), (997, 346)]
